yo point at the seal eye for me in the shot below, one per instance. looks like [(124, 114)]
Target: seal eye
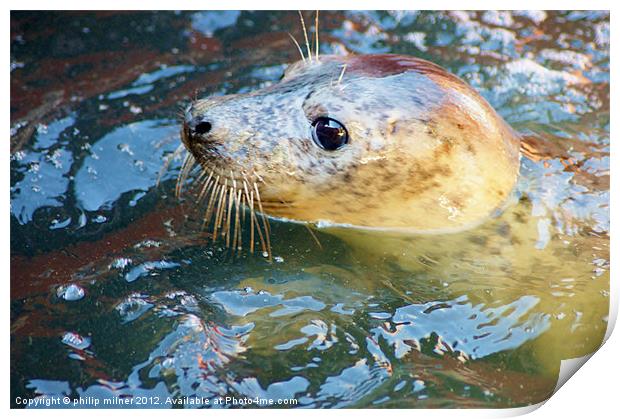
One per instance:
[(329, 134)]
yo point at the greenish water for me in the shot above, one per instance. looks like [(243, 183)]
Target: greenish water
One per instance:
[(116, 292)]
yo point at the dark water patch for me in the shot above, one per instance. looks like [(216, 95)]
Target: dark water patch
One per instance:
[(116, 290)]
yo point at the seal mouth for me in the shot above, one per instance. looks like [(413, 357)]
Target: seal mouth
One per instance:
[(200, 152), (227, 195), (185, 134)]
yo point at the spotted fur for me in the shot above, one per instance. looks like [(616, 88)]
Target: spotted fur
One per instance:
[(426, 151)]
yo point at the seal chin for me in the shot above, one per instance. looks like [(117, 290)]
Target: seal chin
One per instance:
[(185, 135), (191, 143)]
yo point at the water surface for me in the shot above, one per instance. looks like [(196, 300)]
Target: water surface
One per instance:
[(116, 291)]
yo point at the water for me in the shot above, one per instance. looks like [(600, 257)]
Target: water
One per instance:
[(116, 292)]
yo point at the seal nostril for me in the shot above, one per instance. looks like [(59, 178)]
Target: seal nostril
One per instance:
[(203, 128)]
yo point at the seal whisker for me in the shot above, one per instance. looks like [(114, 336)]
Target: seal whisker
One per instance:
[(260, 179), (167, 162), (235, 223), (250, 202), (181, 112), (188, 165), (298, 47), (255, 223), (260, 206), (316, 34), (208, 212), (243, 205), (344, 67), (316, 239), (218, 211), (210, 206), (201, 176), (231, 194), (223, 212), (238, 226), (265, 221), (258, 229), (303, 25), (207, 186), (314, 236), (179, 175)]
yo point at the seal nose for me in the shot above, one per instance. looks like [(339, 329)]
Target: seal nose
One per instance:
[(195, 125), (201, 127), (198, 126)]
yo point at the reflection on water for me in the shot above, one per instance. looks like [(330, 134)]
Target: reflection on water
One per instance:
[(115, 290)]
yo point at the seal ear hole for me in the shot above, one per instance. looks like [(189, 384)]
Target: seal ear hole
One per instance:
[(329, 134), (203, 128)]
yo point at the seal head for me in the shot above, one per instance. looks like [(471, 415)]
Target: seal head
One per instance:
[(372, 141)]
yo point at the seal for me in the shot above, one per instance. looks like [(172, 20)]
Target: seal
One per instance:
[(382, 141), (393, 145)]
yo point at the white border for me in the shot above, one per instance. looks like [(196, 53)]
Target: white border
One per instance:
[(592, 393)]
